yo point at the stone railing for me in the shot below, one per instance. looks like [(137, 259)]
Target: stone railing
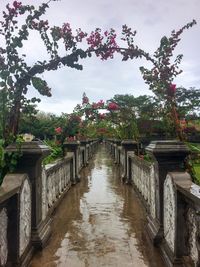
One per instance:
[(181, 220), (28, 200), (15, 220), (141, 174), (56, 180), (172, 201)]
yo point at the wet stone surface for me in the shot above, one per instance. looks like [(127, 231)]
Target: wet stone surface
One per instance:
[(100, 222)]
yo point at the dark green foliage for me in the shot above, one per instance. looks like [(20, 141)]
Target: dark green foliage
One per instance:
[(56, 152)]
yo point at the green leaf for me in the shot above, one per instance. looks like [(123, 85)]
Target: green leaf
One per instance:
[(41, 86)]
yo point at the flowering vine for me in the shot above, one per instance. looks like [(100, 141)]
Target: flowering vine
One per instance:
[(161, 76)]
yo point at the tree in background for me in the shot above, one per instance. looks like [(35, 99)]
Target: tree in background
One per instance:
[(42, 125), (188, 102)]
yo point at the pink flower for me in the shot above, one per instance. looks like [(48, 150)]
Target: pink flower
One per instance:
[(113, 106), (16, 4), (105, 45), (85, 100), (100, 103), (171, 89), (58, 130), (80, 35)]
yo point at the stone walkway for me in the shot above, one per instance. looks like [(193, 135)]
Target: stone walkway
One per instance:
[(100, 222)]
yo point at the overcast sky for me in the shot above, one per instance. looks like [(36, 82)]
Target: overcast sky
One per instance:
[(103, 79)]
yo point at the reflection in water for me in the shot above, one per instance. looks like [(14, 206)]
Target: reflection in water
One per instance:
[(99, 223)]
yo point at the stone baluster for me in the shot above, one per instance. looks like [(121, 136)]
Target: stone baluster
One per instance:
[(127, 146), (74, 147)]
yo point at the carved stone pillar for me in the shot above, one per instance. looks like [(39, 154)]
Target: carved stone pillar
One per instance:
[(74, 147), (15, 221), (128, 145), (31, 163), (169, 156), (117, 143), (84, 143)]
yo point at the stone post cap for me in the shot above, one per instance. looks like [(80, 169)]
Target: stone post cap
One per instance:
[(167, 147), (129, 142), (84, 142), (33, 147), (72, 143)]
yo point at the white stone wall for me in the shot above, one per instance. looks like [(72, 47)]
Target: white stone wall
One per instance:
[(169, 219), (122, 159), (143, 177), (3, 237), (193, 230), (25, 217)]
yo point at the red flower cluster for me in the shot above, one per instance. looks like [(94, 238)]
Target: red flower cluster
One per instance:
[(85, 100), (171, 90), (103, 49), (95, 39), (100, 104), (16, 6), (58, 130), (113, 106), (80, 35), (66, 29), (97, 105)]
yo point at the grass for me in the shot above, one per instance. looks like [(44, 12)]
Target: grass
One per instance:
[(196, 167), (195, 161)]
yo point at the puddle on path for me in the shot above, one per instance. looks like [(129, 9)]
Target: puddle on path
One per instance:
[(100, 222)]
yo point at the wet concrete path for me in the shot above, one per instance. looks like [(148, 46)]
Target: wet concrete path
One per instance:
[(100, 222)]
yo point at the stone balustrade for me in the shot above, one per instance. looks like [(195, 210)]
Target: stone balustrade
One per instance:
[(141, 175), (171, 200), (57, 178), (29, 197)]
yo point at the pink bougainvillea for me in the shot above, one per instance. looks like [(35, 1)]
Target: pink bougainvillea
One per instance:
[(104, 45), (171, 89), (113, 106), (85, 100), (58, 130)]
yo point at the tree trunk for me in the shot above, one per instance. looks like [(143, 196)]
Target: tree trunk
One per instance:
[(176, 120), (12, 122)]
